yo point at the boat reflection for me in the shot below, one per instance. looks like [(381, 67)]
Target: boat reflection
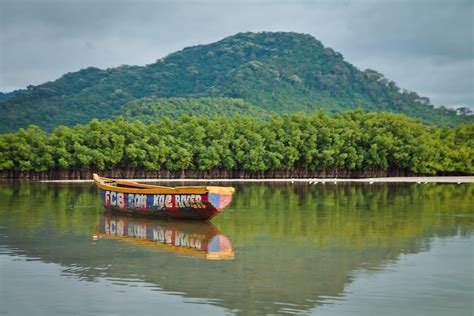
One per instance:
[(188, 238)]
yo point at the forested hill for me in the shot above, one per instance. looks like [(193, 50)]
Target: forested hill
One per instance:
[(275, 72)]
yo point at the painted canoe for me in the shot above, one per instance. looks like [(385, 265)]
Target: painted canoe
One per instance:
[(187, 238), (192, 202)]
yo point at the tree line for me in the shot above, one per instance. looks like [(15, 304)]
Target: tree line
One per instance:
[(351, 140)]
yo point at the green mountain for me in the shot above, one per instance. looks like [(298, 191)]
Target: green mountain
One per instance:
[(275, 72)]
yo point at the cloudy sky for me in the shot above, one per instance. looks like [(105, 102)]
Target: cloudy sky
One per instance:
[(425, 46)]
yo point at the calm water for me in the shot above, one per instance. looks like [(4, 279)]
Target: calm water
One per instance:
[(355, 249)]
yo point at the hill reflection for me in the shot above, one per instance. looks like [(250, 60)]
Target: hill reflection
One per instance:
[(294, 245)]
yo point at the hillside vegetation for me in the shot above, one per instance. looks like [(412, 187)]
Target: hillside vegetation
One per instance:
[(275, 72), (345, 141), (150, 110)]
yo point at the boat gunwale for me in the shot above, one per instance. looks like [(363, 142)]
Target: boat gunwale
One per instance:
[(140, 188)]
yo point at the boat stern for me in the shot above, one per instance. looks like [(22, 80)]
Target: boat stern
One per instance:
[(220, 197)]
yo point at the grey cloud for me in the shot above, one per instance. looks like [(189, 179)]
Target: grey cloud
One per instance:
[(425, 28)]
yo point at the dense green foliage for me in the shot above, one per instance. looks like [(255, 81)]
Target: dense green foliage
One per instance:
[(349, 140), (151, 110), (4, 96), (278, 72)]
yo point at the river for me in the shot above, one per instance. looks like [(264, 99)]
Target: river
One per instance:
[(286, 248)]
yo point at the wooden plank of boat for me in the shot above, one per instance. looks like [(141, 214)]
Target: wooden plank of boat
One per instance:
[(188, 238), (191, 202)]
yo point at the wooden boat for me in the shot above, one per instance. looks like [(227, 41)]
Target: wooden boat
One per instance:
[(193, 202), (187, 238)]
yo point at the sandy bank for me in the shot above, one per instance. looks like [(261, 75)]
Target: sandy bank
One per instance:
[(460, 179)]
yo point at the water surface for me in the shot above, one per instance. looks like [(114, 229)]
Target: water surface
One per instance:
[(320, 249)]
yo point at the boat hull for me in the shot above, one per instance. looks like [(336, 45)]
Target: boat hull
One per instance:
[(186, 206)]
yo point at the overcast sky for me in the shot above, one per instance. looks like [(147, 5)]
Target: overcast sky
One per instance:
[(424, 45)]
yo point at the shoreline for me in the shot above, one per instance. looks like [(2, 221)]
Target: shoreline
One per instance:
[(447, 179)]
